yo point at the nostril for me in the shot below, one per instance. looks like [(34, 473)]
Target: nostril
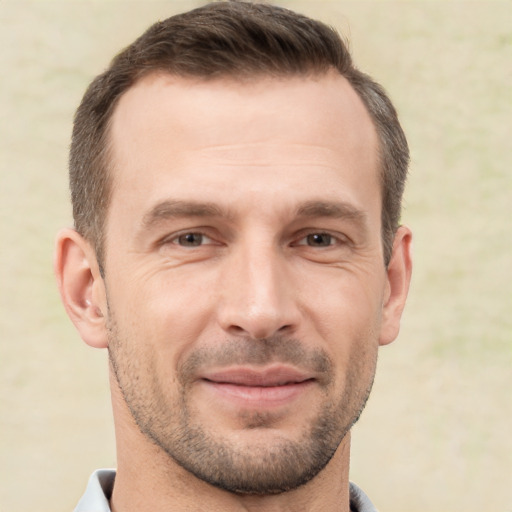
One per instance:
[(236, 329)]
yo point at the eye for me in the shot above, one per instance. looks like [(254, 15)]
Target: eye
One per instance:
[(191, 240), (317, 240)]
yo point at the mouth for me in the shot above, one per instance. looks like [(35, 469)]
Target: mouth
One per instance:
[(267, 387)]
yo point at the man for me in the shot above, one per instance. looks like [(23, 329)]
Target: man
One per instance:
[(236, 188)]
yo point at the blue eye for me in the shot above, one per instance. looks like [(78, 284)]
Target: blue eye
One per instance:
[(319, 240), (190, 239)]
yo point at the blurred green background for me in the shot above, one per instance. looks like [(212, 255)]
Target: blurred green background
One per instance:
[(436, 435)]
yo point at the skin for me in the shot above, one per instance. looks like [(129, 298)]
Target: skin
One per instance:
[(243, 239)]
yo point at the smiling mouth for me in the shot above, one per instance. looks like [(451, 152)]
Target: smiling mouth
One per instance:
[(262, 388), (276, 375)]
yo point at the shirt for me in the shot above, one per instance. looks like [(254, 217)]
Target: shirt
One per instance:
[(101, 483)]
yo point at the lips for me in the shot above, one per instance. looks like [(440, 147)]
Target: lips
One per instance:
[(267, 377), (257, 388)]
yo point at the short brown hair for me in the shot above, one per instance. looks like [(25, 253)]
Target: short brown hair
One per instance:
[(224, 39)]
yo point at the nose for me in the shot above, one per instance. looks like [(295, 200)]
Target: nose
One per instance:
[(258, 294)]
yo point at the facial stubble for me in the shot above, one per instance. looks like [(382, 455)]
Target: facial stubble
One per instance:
[(271, 465)]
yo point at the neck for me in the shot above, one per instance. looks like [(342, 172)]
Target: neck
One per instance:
[(148, 479)]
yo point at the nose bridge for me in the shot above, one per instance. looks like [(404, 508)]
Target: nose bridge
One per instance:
[(259, 300)]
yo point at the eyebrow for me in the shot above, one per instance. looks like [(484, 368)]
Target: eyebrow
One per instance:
[(169, 209), (333, 209), (172, 209)]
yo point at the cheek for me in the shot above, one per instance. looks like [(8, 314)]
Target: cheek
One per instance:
[(162, 313), (348, 307), (347, 317)]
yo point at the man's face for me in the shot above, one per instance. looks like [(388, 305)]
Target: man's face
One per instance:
[(244, 272)]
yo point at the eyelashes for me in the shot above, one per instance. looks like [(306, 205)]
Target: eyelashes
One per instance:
[(202, 237)]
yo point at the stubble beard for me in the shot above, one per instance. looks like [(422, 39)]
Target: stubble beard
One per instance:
[(260, 468)]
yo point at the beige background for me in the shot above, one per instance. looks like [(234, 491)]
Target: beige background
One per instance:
[(436, 435)]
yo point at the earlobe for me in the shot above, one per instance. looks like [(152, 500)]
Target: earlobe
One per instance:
[(398, 279), (81, 286)]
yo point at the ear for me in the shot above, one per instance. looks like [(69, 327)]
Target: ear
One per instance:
[(81, 286), (398, 280)]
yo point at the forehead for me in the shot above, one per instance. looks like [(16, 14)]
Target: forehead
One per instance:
[(270, 132), (161, 103)]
